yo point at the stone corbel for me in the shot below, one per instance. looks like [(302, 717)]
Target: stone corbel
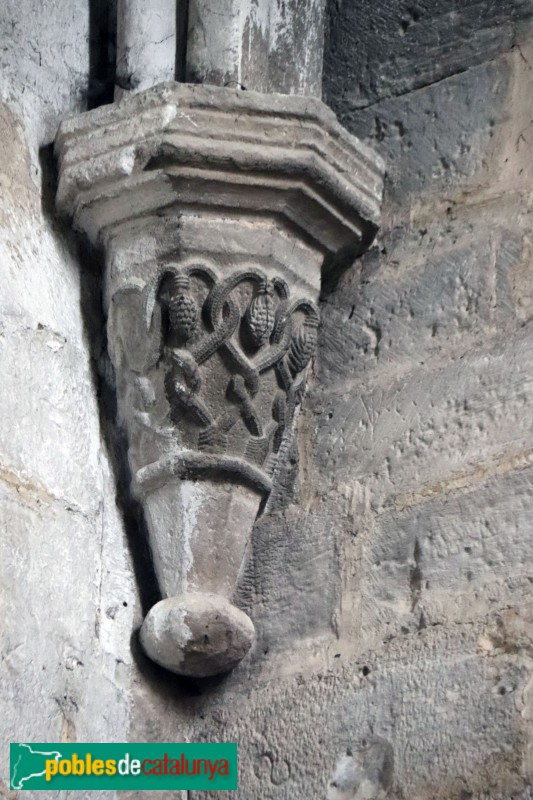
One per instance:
[(220, 212)]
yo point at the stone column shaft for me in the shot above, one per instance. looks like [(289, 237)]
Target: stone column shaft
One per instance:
[(261, 45), (146, 43)]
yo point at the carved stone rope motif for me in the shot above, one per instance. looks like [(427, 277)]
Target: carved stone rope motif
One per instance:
[(273, 334)]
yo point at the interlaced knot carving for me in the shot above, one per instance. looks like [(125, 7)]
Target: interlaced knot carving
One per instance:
[(271, 334)]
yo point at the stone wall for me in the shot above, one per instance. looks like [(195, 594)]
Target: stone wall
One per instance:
[(67, 593), (392, 594)]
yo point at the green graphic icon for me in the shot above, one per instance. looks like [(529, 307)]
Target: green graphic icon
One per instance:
[(29, 763)]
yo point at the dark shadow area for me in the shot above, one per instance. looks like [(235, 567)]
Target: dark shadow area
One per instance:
[(182, 26), (48, 164), (335, 266), (102, 52), (92, 265), (371, 56), (176, 689)]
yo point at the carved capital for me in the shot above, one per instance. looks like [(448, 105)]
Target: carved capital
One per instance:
[(220, 213)]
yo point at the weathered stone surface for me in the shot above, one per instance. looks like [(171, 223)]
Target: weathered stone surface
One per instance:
[(177, 145), (65, 652), (146, 44), (197, 634), (74, 479), (427, 293), (391, 49), (259, 45), (44, 76), (292, 588), (438, 427), (458, 544), (67, 593), (367, 773), (293, 733), (437, 139)]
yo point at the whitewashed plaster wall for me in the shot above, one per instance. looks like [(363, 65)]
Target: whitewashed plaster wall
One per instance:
[(66, 588)]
